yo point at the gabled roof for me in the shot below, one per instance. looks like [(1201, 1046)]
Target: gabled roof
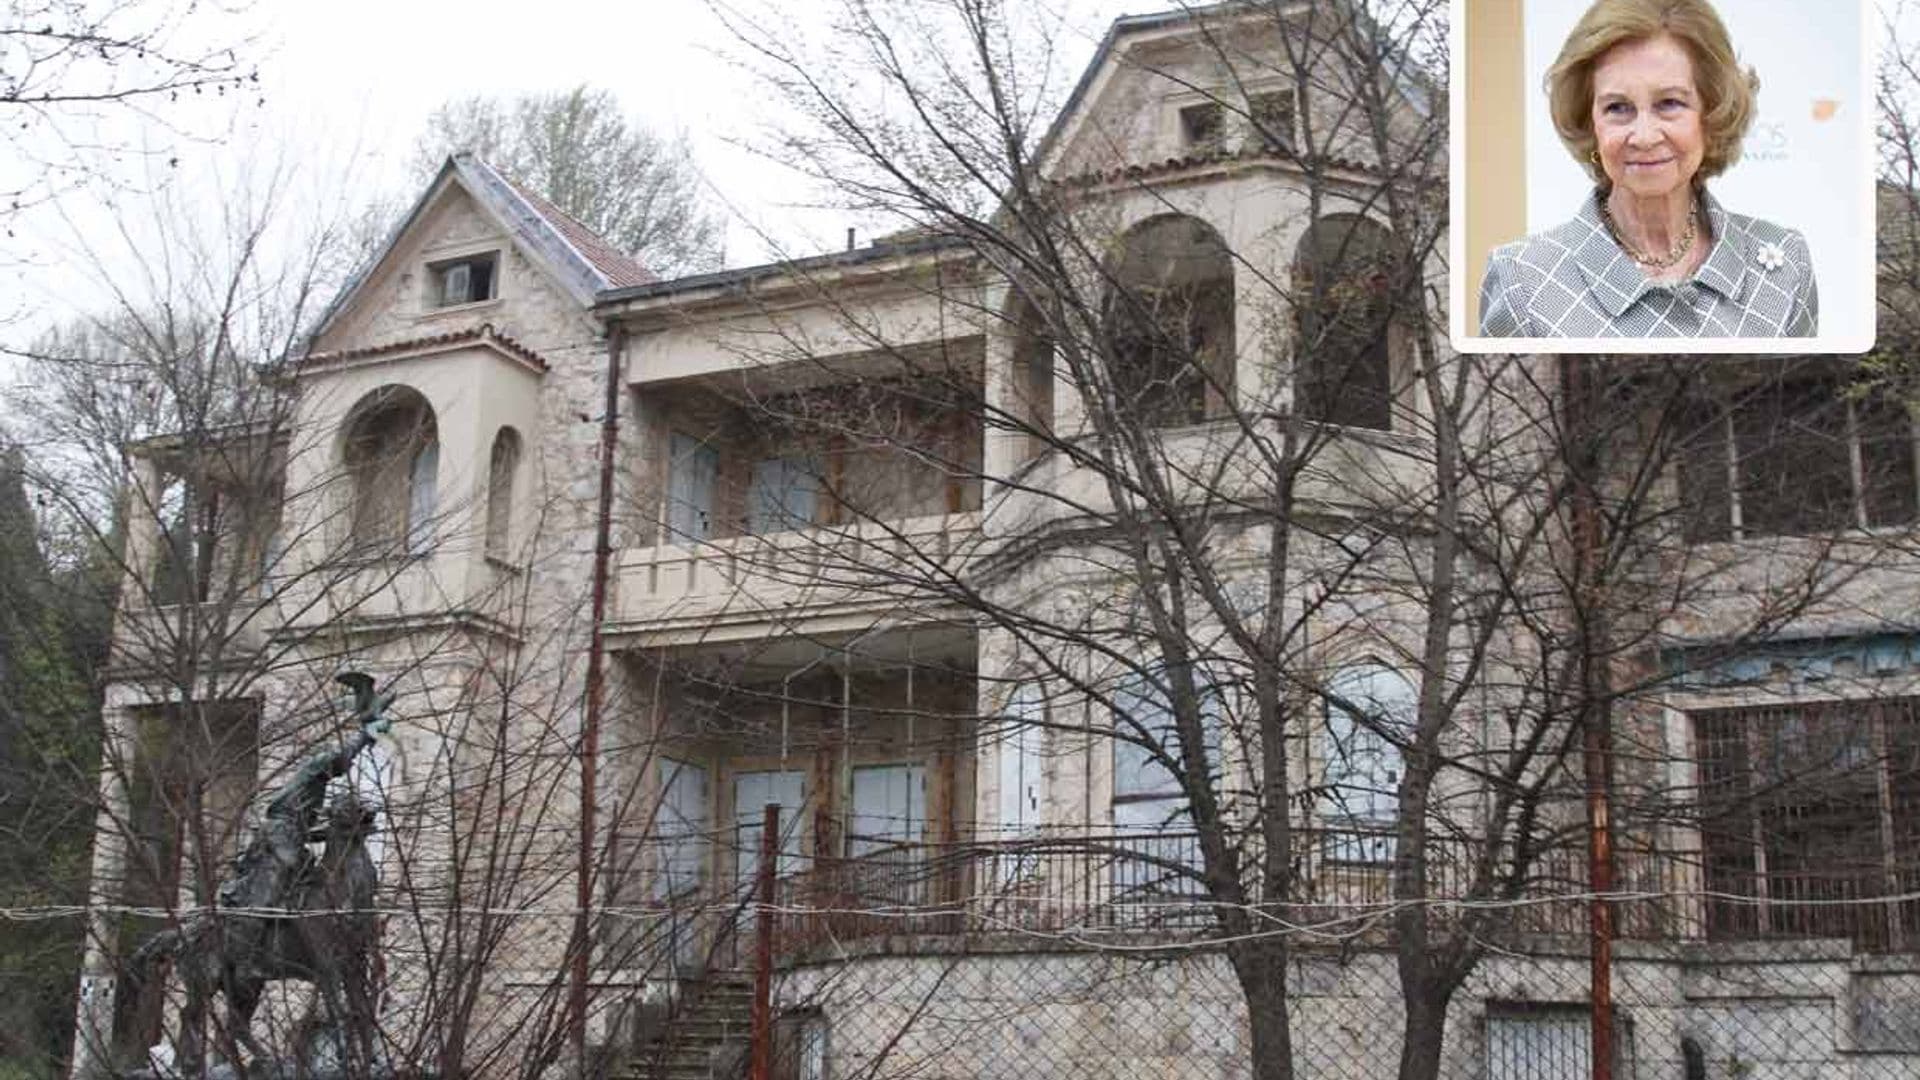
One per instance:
[(619, 269), (582, 263), (1128, 26)]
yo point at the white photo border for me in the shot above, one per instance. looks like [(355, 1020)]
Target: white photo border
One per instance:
[(1457, 266)]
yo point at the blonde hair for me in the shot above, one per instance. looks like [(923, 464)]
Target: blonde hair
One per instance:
[(1727, 90)]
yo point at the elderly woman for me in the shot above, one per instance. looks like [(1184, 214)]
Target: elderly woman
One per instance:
[(1648, 96)]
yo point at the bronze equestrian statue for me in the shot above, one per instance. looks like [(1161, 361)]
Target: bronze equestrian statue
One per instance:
[(265, 924)]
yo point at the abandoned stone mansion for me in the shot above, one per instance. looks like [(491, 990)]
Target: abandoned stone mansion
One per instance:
[(1164, 653)]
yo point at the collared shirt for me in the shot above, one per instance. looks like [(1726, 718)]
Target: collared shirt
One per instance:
[(1574, 281)]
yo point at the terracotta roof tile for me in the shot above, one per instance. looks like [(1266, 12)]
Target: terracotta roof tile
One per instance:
[(620, 270), (484, 331)]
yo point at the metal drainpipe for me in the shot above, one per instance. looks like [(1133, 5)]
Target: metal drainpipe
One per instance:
[(1596, 748), (846, 755), (596, 700)]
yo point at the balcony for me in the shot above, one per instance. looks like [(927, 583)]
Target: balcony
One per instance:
[(821, 579), (1077, 888)]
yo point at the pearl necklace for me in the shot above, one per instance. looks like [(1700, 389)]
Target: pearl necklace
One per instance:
[(1680, 247)]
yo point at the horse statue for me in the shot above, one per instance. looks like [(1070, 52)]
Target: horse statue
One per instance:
[(283, 914)]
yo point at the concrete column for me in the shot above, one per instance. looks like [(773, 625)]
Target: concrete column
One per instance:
[(99, 969)]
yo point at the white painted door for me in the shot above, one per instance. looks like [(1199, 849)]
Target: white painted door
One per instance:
[(685, 823), (752, 791), (889, 808), (692, 473)]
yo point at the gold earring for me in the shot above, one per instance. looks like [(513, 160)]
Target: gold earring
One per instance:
[(1593, 156)]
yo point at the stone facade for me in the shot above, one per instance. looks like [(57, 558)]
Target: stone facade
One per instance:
[(753, 658)]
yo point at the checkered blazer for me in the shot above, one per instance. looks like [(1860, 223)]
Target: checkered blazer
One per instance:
[(1574, 281)]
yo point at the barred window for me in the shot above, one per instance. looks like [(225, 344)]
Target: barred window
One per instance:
[(1807, 810)]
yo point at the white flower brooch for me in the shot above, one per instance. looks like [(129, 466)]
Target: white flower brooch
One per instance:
[(1771, 257)]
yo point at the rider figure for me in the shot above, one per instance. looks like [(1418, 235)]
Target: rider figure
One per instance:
[(276, 857)]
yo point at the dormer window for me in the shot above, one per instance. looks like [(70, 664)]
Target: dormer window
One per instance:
[(464, 281), (1202, 125)]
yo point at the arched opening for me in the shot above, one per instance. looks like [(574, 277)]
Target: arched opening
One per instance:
[(502, 464), (1344, 301), (392, 458), (1169, 322), (1369, 717)]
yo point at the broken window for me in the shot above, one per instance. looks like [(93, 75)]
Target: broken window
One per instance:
[(1795, 457), (1169, 323)]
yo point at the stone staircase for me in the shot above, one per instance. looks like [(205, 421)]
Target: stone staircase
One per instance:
[(705, 1037)]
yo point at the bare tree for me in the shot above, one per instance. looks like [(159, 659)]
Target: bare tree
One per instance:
[(250, 555), (66, 66), (635, 188), (1329, 595)]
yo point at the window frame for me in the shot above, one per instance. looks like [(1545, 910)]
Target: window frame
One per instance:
[(1727, 495), (437, 270), (1322, 394), (1735, 838), (503, 468), (1371, 842)]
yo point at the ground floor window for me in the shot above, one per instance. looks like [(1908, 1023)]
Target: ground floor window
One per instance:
[(1529, 1041), (1807, 810)]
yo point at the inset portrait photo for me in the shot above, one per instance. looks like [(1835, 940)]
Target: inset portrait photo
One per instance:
[(1662, 176)]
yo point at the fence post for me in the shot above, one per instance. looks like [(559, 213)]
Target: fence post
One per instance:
[(761, 1067)]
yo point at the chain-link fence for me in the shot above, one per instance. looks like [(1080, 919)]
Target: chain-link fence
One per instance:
[(1068, 957)]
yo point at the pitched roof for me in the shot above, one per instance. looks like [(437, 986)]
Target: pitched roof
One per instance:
[(582, 263), (620, 270)]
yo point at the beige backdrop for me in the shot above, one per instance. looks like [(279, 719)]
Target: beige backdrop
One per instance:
[(1495, 170)]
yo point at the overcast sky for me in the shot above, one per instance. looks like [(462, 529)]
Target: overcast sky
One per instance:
[(347, 85)]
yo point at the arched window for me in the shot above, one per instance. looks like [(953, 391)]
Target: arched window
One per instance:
[(392, 456), (1169, 322), (501, 467), (1344, 297), (1370, 715)]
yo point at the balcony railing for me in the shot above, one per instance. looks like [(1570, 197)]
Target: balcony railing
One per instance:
[(1341, 886), (789, 575), (1072, 889)]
